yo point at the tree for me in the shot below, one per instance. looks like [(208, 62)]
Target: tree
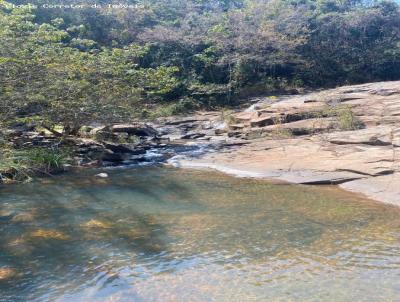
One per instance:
[(45, 77)]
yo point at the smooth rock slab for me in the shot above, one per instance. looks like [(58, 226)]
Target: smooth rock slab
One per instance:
[(310, 177), (383, 188)]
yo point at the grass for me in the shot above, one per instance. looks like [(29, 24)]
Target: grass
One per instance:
[(44, 160), (22, 165), (181, 107), (227, 116), (280, 132), (344, 116), (12, 169), (347, 120)]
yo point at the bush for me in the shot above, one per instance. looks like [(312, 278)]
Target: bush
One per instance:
[(21, 165), (43, 160)]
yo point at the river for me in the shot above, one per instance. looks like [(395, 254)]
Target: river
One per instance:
[(166, 234)]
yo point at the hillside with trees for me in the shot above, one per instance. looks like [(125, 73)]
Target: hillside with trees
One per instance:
[(62, 68)]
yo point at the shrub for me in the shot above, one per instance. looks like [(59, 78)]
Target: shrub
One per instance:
[(43, 160), (347, 120)]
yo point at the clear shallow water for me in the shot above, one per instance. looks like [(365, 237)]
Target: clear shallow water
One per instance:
[(161, 234)]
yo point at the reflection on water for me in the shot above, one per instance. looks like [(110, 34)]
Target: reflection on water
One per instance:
[(160, 234)]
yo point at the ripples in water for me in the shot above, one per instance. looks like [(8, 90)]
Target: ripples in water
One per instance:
[(160, 234)]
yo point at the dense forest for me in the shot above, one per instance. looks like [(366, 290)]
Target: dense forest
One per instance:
[(71, 65)]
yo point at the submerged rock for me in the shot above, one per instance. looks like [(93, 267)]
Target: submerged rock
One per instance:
[(23, 217), (49, 234), (98, 224), (7, 273)]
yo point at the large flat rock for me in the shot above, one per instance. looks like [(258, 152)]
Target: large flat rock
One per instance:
[(383, 188), (365, 160)]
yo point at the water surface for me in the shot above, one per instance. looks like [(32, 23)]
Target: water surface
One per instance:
[(162, 234)]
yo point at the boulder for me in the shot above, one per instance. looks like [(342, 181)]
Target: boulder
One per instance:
[(123, 148), (110, 156), (262, 121), (138, 129)]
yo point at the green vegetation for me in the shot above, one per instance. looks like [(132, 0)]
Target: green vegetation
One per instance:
[(346, 118), (21, 165), (62, 68), (43, 160), (342, 114), (71, 67)]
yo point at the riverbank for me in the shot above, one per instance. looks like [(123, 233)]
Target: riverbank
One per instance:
[(349, 136)]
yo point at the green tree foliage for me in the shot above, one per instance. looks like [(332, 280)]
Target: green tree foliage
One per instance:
[(44, 73), (75, 66)]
